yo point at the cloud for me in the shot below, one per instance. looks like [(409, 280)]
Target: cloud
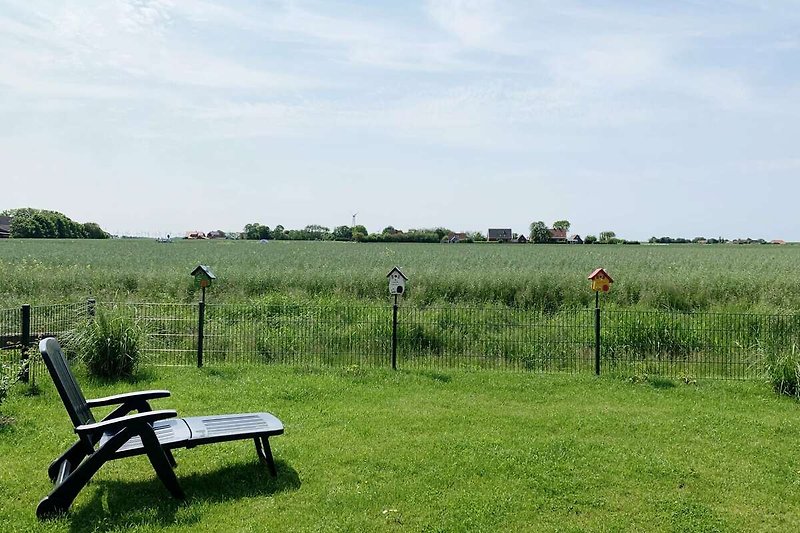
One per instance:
[(474, 23)]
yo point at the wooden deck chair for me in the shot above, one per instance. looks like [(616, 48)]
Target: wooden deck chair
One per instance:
[(121, 434)]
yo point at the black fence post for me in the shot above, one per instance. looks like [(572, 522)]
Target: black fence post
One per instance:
[(394, 334), (25, 340), (597, 340), (91, 307), (201, 306)]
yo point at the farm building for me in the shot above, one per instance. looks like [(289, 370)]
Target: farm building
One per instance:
[(557, 235), (195, 235), (5, 227), (500, 234), (575, 239), (455, 237)]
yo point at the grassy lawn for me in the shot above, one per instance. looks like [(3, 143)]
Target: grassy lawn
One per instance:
[(371, 450)]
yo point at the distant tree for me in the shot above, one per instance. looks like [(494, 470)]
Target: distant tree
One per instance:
[(252, 231), (279, 232), (562, 225), (42, 224), (315, 232), (476, 236), (389, 230), (607, 236), (539, 232), (92, 230), (358, 228), (590, 239), (343, 233)]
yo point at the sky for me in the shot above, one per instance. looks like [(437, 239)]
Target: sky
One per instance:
[(645, 118)]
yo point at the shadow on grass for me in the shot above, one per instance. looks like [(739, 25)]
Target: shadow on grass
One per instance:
[(120, 505)]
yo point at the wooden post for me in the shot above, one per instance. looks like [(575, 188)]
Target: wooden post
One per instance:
[(597, 333), (394, 334), (201, 321)]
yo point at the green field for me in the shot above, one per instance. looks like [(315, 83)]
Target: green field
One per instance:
[(543, 277), (372, 450)]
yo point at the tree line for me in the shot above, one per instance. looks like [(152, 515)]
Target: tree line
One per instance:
[(29, 223), (358, 233)]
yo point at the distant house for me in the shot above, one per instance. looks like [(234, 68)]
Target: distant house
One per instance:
[(5, 227), (195, 235), (557, 235), (575, 239), (778, 241), (216, 234), (500, 234), (521, 239), (456, 237)]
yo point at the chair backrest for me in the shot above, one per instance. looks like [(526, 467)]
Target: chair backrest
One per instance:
[(67, 387)]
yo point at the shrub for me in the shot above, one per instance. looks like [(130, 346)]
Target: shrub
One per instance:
[(108, 345), (783, 370)]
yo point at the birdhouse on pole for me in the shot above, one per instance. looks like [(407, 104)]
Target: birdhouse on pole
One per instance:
[(601, 281), (397, 281), (203, 276)]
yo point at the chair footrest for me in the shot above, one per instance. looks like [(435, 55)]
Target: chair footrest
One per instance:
[(220, 428)]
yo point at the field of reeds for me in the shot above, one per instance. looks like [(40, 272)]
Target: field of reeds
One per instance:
[(547, 278)]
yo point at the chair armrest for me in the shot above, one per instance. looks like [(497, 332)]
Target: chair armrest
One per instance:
[(128, 397), (125, 421)]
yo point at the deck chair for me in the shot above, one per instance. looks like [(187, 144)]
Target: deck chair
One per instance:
[(147, 432)]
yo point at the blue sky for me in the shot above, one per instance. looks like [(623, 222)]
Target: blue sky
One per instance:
[(645, 118)]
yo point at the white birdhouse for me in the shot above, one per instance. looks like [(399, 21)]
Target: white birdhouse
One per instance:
[(397, 281)]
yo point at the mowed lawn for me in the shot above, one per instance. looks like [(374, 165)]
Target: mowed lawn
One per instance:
[(372, 450)]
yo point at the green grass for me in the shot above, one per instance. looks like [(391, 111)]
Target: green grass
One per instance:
[(544, 277), (372, 450)]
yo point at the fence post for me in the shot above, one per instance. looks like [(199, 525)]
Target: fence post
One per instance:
[(597, 340), (394, 334), (201, 306), (91, 306), (25, 340)]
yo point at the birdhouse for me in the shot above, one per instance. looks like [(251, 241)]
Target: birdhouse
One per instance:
[(397, 281), (601, 281), (203, 276)]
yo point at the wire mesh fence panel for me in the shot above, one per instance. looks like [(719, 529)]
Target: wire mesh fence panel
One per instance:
[(501, 338), (169, 331), (331, 335), (57, 320), (10, 342), (696, 345)]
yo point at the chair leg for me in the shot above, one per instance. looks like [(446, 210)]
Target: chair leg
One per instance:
[(74, 455), (171, 458), (158, 458), (265, 454), (62, 496)]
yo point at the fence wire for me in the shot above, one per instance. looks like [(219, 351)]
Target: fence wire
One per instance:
[(671, 344)]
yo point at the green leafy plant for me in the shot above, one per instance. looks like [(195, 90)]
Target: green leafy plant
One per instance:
[(109, 345), (783, 369)]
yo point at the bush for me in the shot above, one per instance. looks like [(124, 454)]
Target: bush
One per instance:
[(783, 370), (108, 345)]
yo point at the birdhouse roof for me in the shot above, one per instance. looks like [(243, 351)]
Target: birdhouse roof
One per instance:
[(205, 270), (395, 269), (598, 272)]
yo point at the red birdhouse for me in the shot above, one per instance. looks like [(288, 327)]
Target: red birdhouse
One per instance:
[(601, 281)]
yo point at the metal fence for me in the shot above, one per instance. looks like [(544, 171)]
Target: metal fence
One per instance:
[(671, 344), (23, 327)]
